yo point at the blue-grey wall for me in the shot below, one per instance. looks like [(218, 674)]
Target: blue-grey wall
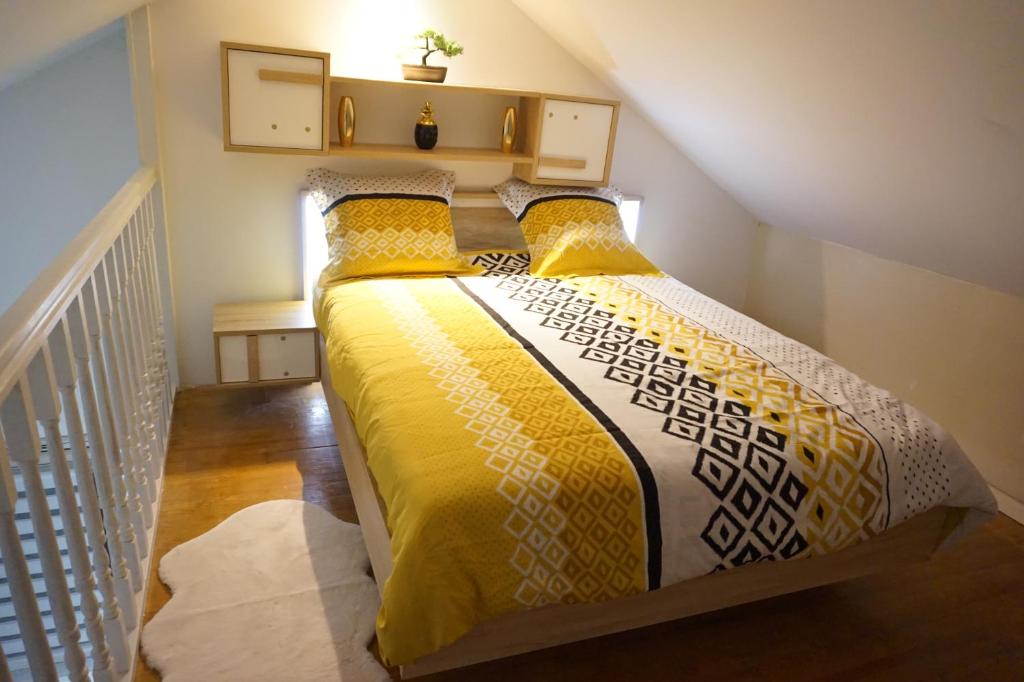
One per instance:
[(68, 142)]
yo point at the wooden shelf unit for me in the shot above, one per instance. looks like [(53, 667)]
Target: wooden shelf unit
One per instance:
[(400, 151), (439, 87), (273, 104), (469, 120), (265, 343)]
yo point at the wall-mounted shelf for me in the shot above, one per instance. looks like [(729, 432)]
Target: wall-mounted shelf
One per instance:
[(399, 151), (437, 87), (275, 99)]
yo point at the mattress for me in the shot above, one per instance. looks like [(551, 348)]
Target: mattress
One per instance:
[(541, 441)]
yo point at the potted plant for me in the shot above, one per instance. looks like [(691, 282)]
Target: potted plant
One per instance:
[(424, 71)]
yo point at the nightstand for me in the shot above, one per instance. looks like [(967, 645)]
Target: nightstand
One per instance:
[(266, 343)]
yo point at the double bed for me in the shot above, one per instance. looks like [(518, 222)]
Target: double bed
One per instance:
[(536, 461)]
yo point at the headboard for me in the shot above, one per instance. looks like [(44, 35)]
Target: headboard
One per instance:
[(482, 223)]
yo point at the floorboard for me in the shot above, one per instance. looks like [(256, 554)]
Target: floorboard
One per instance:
[(958, 617)]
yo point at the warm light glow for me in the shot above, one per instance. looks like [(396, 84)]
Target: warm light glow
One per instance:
[(314, 245), (630, 212), (377, 36)]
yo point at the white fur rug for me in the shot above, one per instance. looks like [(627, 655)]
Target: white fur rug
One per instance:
[(278, 591)]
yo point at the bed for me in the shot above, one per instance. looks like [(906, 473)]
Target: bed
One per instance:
[(538, 461)]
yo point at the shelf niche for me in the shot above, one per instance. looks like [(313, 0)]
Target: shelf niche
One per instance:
[(469, 120)]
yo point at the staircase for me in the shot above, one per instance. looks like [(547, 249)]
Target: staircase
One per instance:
[(10, 637)]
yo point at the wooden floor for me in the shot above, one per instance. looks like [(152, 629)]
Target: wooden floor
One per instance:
[(958, 617)]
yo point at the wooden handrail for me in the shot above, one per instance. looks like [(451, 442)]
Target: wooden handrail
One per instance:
[(31, 318)]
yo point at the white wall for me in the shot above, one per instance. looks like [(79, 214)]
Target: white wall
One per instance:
[(68, 143), (234, 217), (952, 348), (35, 33), (892, 126)]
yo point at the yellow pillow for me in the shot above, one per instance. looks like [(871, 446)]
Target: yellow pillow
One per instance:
[(386, 226), (573, 231)]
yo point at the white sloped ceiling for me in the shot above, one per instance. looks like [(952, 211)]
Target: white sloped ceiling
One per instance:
[(33, 31), (895, 127)]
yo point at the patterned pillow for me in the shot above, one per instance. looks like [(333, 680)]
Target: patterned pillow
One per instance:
[(573, 230), (378, 225)]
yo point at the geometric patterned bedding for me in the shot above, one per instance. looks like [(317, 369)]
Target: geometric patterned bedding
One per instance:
[(540, 441)]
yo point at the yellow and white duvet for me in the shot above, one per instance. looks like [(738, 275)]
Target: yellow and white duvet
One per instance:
[(540, 441)]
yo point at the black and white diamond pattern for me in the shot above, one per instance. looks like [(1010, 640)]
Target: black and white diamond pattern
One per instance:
[(500, 264), (740, 462)]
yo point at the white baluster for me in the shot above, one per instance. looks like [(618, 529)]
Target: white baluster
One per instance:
[(154, 316), (124, 390), (18, 417), (26, 609), (120, 305), (47, 404), (158, 309), (102, 452), (117, 407), (158, 305), (114, 478), (111, 625), (124, 253), (5, 671), (149, 344)]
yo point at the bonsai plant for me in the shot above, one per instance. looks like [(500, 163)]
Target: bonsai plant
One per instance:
[(432, 42)]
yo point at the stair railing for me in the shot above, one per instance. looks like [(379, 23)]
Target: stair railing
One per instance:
[(83, 362)]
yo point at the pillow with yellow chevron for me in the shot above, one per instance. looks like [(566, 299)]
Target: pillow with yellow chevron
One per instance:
[(386, 226), (573, 230)]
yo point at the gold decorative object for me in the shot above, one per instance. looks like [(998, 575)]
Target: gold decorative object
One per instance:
[(508, 130), (425, 134), (427, 114), (346, 121)]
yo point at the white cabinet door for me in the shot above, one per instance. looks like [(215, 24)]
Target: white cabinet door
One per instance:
[(574, 140), (287, 356), (264, 112), (234, 359)]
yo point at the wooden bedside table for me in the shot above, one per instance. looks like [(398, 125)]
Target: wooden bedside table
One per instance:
[(266, 343)]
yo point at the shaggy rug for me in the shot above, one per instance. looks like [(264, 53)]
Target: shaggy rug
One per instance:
[(278, 591)]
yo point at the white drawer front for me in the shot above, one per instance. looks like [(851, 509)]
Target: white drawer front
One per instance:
[(574, 132), (272, 113), (234, 359), (287, 356)]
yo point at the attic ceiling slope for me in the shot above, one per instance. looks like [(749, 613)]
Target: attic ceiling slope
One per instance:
[(896, 128), (31, 31)]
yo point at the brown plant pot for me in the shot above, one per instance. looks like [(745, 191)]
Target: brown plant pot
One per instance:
[(418, 72)]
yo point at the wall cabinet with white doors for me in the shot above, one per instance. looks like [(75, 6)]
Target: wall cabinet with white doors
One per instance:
[(576, 138), (267, 357), (266, 342), (281, 101), (275, 100)]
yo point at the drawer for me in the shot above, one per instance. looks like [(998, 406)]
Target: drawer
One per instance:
[(234, 359), (282, 108), (287, 356), (575, 140)]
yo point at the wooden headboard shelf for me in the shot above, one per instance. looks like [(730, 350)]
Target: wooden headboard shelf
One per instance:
[(283, 101), (475, 194), (426, 88), (399, 151)]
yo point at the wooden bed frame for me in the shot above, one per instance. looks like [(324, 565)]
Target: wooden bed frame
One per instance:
[(523, 631)]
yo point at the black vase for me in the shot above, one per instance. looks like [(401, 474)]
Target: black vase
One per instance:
[(426, 135)]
